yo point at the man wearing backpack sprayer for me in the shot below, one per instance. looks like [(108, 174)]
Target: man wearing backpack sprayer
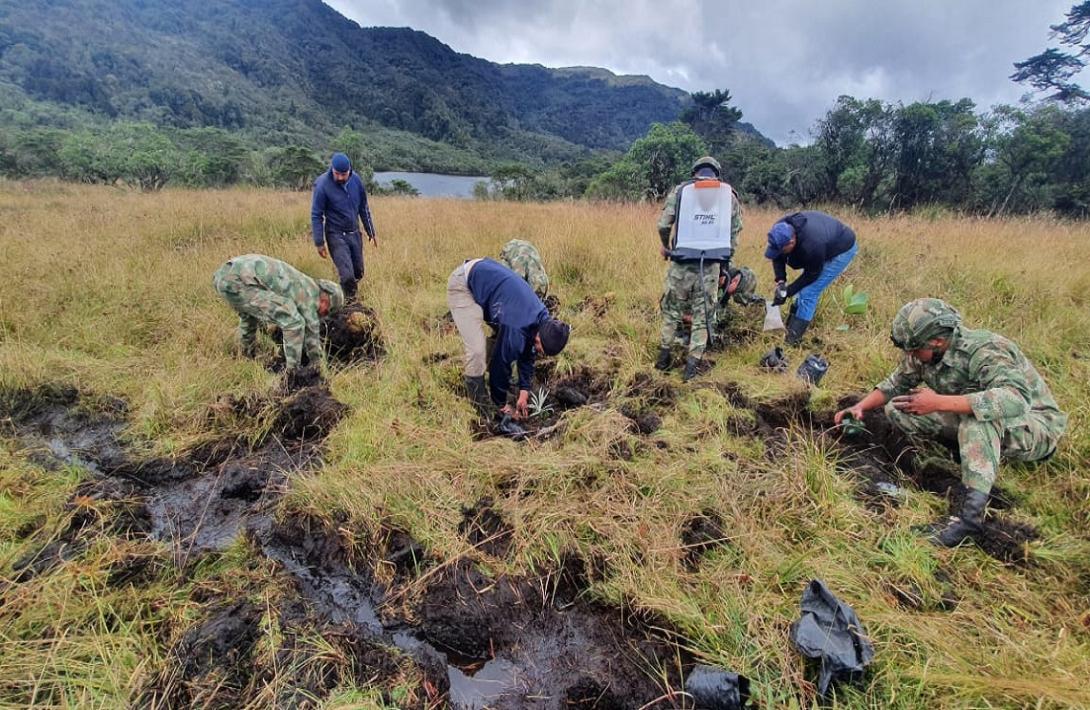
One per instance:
[(699, 230)]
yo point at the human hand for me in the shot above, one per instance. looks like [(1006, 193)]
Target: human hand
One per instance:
[(522, 405), (853, 412), (921, 401), (373, 238), (779, 296), (323, 252), (664, 252)]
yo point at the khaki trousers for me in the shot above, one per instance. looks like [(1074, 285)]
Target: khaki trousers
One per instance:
[(469, 318)]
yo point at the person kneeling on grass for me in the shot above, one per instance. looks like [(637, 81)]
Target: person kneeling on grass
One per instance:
[(263, 289), (482, 291), (822, 246), (970, 386)]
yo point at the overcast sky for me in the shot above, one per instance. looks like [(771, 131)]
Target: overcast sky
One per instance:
[(784, 61)]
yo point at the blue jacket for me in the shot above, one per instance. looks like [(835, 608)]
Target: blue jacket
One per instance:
[(514, 310), (339, 206), (820, 238)]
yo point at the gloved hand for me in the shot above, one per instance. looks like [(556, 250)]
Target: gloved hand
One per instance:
[(779, 296)]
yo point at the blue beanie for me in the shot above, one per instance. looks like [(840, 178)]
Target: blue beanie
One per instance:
[(780, 234), (340, 163)]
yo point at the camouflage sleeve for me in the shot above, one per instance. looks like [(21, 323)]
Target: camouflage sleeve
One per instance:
[(247, 331), (904, 378), (668, 217), (312, 338), (1005, 391), (735, 221)]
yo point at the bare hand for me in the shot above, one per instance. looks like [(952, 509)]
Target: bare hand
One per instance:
[(373, 238), (664, 252), (323, 252), (855, 411), (734, 284), (921, 401), (522, 406)]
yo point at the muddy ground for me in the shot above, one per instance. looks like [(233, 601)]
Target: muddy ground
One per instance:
[(430, 632)]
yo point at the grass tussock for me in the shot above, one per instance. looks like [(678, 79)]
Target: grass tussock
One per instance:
[(110, 292)]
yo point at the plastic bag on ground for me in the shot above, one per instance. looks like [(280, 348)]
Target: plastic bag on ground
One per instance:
[(773, 317), (830, 630), (716, 689), (812, 369)]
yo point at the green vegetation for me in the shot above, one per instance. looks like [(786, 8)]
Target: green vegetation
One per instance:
[(96, 294)]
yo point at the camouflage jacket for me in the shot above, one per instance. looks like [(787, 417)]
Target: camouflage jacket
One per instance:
[(521, 257), (271, 290), (990, 370), (669, 216)]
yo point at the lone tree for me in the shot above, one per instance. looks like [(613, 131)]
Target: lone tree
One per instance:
[(712, 117), (1054, 69)]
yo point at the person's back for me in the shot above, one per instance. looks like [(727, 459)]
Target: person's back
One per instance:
[(506, 299), (523, 258)]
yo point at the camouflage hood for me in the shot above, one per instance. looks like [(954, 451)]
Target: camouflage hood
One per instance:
[(336, 295), (921, 320)]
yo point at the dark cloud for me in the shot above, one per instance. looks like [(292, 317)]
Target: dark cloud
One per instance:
[(784, 61)]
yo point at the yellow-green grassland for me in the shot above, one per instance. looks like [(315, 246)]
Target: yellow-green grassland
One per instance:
[(108, 293)]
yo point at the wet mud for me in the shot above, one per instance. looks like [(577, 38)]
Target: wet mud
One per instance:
[(486, 529), (700, 535)]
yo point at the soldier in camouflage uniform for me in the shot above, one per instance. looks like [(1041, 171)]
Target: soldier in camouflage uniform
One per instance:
[(735, 284), (263, 289), (972, 387), (686, 291), (521, 257)]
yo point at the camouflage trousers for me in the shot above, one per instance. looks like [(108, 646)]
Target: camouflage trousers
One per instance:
[(684, 293), (980, 443)]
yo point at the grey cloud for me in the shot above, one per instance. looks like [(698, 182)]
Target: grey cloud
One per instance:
[(785, 62)]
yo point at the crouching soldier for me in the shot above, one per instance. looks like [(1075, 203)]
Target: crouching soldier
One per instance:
[(483, 291), (971, 387), (737, 285), (262, 289), (698, 229)]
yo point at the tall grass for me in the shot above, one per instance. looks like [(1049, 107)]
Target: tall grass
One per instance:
[(110, 291)]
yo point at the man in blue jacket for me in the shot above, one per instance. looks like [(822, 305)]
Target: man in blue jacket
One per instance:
[(339, 201), (483, 291), (819, 244)]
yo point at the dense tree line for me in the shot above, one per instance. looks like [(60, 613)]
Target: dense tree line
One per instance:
[(871, 155)]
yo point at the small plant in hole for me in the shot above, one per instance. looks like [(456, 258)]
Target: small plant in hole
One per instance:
[(539, 403)]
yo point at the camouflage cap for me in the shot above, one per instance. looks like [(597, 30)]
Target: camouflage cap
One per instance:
[(921, 320), (707, 161), (747, 284), (336, 295)]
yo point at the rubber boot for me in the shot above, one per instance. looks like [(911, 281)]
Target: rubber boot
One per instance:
[(349, 288), (693, 367), (796, 328), (478, 395), (506, 426), (967, 524), (665, 359)]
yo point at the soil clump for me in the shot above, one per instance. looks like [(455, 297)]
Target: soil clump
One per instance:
[(700, 535), (352, 335)]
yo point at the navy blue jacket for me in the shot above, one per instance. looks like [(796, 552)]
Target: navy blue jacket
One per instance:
[(819, 237), (514, 310), (339, 206)]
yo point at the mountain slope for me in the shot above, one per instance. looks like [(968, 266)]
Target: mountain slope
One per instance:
[(296, 68)]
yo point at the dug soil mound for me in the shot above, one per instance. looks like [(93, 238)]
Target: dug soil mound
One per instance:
[(352, 334)]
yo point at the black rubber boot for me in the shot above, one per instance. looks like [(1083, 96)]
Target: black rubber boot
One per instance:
[(349, 288), (967, 524), (693, 366), (478, 395), (665, 359), (506, 426), (796, 328)]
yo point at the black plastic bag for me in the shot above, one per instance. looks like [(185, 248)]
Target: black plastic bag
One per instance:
[(812, 369), (775, 360), (830, 630), (716, 689)]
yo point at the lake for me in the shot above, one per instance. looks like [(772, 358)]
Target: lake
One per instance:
[(434, 184)]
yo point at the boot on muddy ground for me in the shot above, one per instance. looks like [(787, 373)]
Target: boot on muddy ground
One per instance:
[(967, 524), (796, 328), (695, 366), (478, 396), (665, 359)]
